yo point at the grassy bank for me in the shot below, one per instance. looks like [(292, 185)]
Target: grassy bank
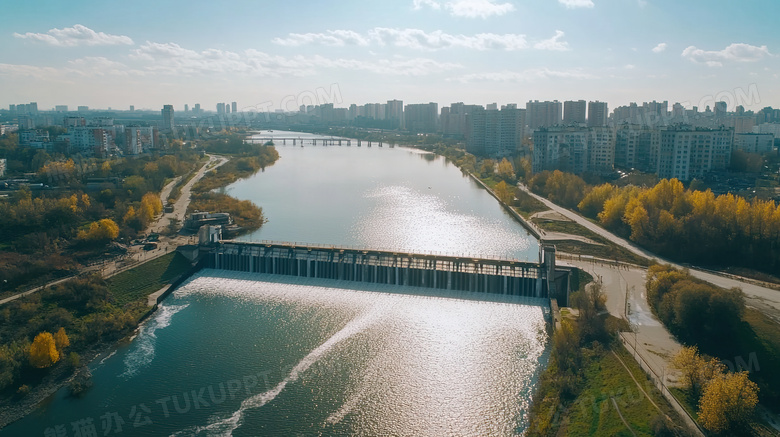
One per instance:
[(138, 283), (593, 412)]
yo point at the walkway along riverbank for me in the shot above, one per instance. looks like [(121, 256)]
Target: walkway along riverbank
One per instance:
[(533, 230)]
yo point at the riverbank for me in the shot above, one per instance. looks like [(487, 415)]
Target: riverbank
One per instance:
[(130, 288)]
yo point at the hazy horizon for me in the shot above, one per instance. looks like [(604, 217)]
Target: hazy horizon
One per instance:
[(148, 54)]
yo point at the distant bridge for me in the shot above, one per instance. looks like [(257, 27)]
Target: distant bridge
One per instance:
[(462, 273), (323, 141)]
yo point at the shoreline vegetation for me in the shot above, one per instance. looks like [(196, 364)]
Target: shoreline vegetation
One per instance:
[(97, 314), (592, 385)]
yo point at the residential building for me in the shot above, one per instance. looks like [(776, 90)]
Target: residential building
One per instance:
[(25, 122), (561, 148), (768, 128), (220, 108), (90, 140), (394, 111), (636, 147), (754, 142), (686, 152), (574, 111), (234, 107), (421, 117), (61, 108), (542, 114), (167, 118), (453, 120), (601, 150), (495, 133), (74, 121), (597, 114)]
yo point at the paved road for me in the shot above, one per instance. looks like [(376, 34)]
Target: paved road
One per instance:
[(765, 299), (165, 245), (136, 255), (653, 340)]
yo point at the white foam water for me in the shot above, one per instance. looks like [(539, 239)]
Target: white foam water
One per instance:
[(226, 426), (146, 341)]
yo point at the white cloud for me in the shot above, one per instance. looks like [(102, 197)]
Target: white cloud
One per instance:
[(659, 48), (629, 66), (408, 38), (76, 36), (421, 40), (418, 4), (89, 66), (553, 43), (170, 58), (30, 71), (467, 8), (737, 52), (525, 76), (573, 4), (329, 38)]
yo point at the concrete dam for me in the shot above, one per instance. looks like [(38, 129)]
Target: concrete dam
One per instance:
[(481, 275)]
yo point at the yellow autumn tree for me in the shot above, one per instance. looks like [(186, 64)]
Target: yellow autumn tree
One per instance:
[(697, 370), (129, 215), (504, 192), (151, 206), (43, 351), (61, 340), (101, 230), (506, 170), (728, 402)]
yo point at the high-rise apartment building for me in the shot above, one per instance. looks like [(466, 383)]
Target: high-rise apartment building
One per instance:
[(601, 150), (167, 118), (220, 108), (686, 152), (574, 111), (561, 148), (495, 133), (421, 117), (636, 147), (543, 114), (234, 107), (61, 108), (597, 114), (394, 111)]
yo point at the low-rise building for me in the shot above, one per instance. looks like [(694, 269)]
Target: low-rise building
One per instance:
[(198, 219)]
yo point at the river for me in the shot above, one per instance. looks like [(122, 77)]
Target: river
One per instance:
[(247, 354)]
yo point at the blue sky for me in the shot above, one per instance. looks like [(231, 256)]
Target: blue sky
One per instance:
[(270, 54)]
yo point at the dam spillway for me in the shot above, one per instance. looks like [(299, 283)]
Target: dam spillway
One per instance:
[(457, 273)]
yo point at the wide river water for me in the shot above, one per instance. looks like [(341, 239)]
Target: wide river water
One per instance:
[(248, 354)]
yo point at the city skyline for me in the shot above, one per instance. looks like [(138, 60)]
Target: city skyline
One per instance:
[(475, 51)]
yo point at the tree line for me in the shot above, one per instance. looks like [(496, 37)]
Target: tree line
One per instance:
[(713, 320), (682, 224)]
